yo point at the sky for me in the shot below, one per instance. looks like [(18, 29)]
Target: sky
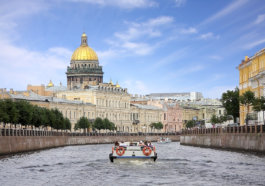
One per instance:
[(148, 46)]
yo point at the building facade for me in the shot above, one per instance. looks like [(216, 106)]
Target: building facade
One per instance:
[(251, 77)]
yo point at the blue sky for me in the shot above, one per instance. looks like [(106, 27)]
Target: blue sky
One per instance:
[(147, 46)]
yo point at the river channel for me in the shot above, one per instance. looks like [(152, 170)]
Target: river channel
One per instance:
[(89, 165)]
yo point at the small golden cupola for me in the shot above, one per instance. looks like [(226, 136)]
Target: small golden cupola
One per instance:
[(110, 82), (50, 84), (117, 85)]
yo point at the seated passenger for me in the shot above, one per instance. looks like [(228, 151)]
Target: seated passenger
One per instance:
[(123, 144), (141, 143), (117, 143), (149, 144)]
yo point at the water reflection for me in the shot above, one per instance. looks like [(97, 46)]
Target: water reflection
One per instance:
[(176, 165)]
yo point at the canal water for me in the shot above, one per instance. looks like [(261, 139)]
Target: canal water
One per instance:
[(89, 165)]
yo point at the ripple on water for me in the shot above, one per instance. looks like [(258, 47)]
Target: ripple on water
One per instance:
[(176, 165)]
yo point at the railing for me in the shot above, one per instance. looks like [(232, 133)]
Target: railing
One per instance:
[(33, 132), (219, 130), (85, 70)]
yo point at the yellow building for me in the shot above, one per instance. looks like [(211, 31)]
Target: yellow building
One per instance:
[(251, 77)]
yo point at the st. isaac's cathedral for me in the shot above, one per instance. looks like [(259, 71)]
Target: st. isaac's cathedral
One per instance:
[(86, 95), (84, 68)]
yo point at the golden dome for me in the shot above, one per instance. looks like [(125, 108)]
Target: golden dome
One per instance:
[(117, 85), (50, 84), (84, 52)]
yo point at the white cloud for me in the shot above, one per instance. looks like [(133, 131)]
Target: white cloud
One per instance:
[(135, 86), (12, 14), (172, 58), (209, 35), (134, 39), (260, 19), (19, 65), (190, 30), (138, 48), (185, 71), (127, 4), (215, 57), (254, 43), (60, 51), (180, 3), (217, 91), (226, 11), (149, 28)]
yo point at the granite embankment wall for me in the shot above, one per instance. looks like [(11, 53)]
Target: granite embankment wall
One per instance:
[(247, 138), (16, 144)]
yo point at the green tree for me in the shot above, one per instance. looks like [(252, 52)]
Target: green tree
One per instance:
[(230, 101), (98, 124), (67, 124), (51, 118), (25, 110), (4, 117), (112, 126), (157, 126), (59, 120), (214, 119), (37, 116), (106, 123), (190, 124), (247, 99), (83, 123), (259, 105)]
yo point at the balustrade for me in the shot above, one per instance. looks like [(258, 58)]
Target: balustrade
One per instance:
[(234, 130)]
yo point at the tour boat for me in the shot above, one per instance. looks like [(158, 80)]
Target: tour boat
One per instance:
[(164, 140), (133, 151)]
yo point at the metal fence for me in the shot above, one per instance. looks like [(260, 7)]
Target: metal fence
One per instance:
[(36, 132), (218, 130)]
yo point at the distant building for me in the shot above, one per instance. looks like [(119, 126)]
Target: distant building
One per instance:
[(49, 90), (172, 115), (176, 96), (251, 77)]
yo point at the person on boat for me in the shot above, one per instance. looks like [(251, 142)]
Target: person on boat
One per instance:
[(117, 143), (123, 144), (149, 144), (145, 143), (141, 143)]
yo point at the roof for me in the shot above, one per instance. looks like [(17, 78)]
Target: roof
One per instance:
[(148, 107), (35, 97)]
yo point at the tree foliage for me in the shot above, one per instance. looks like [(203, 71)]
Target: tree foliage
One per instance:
[(22, 112), (83, 123), (230, 101), (158, 125), (103, 124), (259, 104), (98, 124), (190, 124), (247, 99), (215, 119)]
